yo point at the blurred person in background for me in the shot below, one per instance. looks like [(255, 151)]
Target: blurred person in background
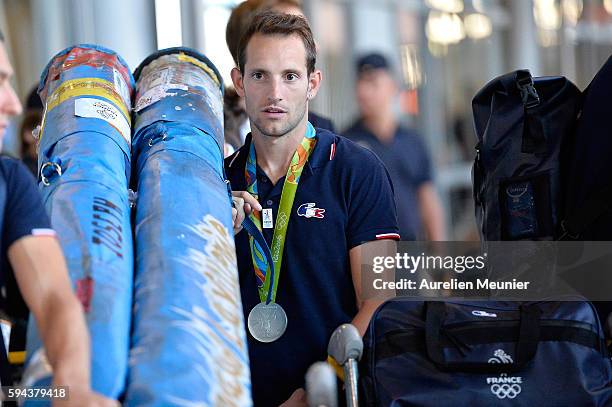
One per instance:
[(31, 260), (32, 117), (237, 125), (234, 119), (419, 211)]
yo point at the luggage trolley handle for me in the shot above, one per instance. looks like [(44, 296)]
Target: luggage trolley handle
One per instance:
[(526, 347)]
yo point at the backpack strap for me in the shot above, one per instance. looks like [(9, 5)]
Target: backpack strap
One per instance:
[(534, 134), (529, 95)]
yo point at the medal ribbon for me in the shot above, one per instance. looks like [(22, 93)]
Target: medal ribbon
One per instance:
[(267, 286)]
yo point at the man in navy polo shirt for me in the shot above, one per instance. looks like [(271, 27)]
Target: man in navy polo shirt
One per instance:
[(419, 210), (318, 194)]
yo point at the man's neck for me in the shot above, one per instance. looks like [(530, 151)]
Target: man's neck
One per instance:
[(383, 126), (274, 154)]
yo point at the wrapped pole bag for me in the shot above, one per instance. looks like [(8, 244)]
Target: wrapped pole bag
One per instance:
[(84, 168), (188, 343)]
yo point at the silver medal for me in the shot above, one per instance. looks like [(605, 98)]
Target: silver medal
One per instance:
[(267, 322)]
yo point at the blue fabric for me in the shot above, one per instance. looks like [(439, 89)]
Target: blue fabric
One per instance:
[(65, 51), (407, 160), (315, 286), (188, 344), (89, 208)]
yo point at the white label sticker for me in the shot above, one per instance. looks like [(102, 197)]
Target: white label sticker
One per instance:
[(99, 109), (266, 217), (156, 94), (122, 87)]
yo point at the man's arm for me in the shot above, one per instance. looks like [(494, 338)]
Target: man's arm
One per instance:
[(432, 214), (372, 219), (42, 277), (367, 300)]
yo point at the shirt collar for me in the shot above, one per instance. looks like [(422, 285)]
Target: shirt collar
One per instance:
[(323, 152)]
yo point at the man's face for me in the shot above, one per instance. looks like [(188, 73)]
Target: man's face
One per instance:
[(9, 103), (275, 84), (376, 91)]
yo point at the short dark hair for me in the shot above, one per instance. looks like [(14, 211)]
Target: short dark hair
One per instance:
[(239, 20), (241, 17), (272, 23)]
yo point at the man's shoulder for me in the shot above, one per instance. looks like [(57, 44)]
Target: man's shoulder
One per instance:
[(332, 148), (234, 167), (13, 170), (348, 153), (354, 150), (8, 163), (231, 161)]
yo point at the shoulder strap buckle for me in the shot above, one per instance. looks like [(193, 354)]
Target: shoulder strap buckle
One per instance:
[(529, 95)]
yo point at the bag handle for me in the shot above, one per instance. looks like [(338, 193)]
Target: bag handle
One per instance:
[(526, 346)]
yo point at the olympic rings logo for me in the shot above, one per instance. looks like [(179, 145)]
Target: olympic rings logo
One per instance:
[(503, 391)]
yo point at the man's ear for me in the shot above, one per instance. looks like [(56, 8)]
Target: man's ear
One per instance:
[(314, 83), (238, 83)]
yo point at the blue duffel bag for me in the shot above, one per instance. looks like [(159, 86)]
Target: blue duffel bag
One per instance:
[(485, 354)]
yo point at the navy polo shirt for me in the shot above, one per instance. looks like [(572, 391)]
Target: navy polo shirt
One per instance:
[(21, 214), (344, 198), (408, 163)]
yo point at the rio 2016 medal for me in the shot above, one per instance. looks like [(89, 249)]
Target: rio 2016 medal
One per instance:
[(267, 322)]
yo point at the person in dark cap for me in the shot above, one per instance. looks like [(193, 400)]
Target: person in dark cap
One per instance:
[(32, 117), (419, 210)]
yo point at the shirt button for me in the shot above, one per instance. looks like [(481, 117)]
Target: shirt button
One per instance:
[(269, 202)]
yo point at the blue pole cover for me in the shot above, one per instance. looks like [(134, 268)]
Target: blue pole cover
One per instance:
[(188, 340), (84, 167)]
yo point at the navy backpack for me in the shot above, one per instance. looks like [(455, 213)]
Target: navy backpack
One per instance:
[(523, 126)]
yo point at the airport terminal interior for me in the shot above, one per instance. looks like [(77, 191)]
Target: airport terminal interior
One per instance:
[(443, 52), (490, 120)]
